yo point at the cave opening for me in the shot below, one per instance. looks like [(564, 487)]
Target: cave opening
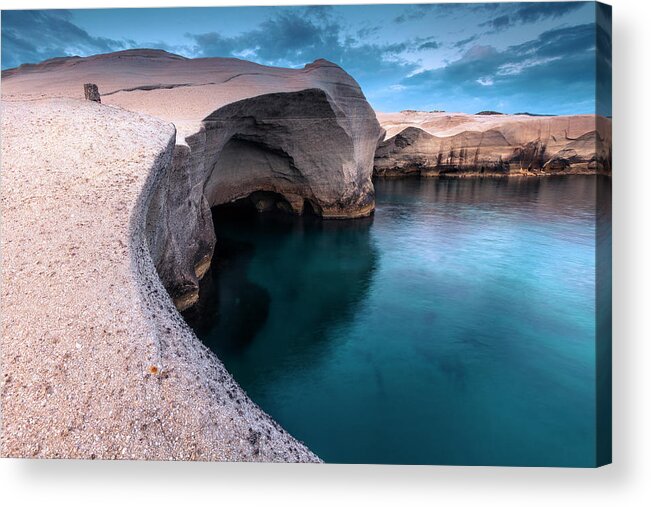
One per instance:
[(309, 209), (253, 172), (253, 204)]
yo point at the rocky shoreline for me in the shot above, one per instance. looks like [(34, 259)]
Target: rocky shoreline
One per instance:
[(96, 361), (462, 145), (131, 380), (107, 230)]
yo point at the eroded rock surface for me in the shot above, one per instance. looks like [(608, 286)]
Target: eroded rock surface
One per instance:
[(96, 361), (105, 207), (307, 134), (442, 144)]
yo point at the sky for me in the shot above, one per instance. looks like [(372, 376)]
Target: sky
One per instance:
[(509, 57)]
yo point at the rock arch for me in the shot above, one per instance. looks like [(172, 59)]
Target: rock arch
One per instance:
[(299, 145)]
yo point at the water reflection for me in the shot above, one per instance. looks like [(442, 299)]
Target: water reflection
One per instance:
[(456, 326), (278, 287), (231, 307), (551, 196)]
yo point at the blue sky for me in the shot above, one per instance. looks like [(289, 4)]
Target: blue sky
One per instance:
[(510, 57)]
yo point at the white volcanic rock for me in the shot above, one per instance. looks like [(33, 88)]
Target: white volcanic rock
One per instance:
[(455, 144), (306, 134), (104, 205), (96, 361)]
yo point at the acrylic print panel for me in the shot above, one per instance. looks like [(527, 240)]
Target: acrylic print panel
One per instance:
[(350, 234)]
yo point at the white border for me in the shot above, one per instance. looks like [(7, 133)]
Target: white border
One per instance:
[(626, 482)]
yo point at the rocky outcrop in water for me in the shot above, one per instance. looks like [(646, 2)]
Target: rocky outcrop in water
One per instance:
[(300, 138), (441, 144)]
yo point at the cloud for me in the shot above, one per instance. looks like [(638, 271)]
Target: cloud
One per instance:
[(464, 42), (419, 11), (367, 31), (560, 59), (319, 11), (34, 36), (515, 68), (525, 13), (291, 37), (413, 12), (295, 37), (499, 23), (286, 38), (429, 45), (532, 12)]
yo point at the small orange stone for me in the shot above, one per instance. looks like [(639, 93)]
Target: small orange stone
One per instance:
[(153, 369)]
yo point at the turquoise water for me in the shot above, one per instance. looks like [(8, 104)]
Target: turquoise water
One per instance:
[(455, 326)]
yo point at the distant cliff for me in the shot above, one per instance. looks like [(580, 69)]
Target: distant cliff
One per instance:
[(454, 144)]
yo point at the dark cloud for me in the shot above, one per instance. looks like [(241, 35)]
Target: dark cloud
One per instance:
[(413, 12), (430, 45), (293, 37), (464, 42), (532, 12), (296, 37), (418, 11), (34, 36), (561, 59), (498, 23), (289, 37), (524, 13)]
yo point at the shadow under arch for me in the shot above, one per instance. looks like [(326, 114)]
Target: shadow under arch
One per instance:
[(280, 286), (287, 155), (292, 143), (304, 145)]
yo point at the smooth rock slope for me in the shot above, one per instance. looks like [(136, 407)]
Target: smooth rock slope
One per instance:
[(294, 138), (455, 144), (96, 361)]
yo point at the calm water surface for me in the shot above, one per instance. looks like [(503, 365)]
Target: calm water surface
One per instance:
[(456, 326)]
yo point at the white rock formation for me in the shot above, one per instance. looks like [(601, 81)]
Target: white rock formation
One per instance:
[(306, 134), (96, 361)]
